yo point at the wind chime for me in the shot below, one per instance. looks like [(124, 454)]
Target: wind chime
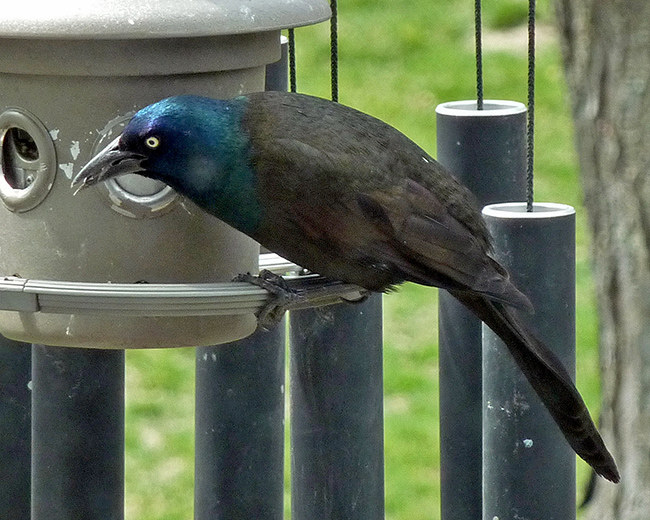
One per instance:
[(501, 454)]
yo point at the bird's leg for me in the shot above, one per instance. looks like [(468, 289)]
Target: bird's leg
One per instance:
[(301, 292), (280, 301)]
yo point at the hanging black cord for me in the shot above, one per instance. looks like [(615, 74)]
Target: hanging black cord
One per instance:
[(479, 55), (531, 105), (334, 45), (292, 61), (334, 54)]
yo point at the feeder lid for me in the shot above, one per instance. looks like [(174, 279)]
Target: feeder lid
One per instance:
[(153, 19)]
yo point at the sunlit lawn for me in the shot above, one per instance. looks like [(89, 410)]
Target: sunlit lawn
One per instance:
[(398, 60)]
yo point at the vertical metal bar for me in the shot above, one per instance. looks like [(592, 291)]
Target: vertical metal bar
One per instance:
[(486, 150), (15, 428), (277, 73), (239, 462), (529, 468), (239, 447), (337, 464), (77, 433)]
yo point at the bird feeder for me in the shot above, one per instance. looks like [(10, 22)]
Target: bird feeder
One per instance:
[(128, 264)]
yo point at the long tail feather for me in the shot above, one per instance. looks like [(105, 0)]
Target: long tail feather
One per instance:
[(549, 379)]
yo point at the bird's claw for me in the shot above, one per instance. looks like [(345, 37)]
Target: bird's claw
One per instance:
[(301, 293), (283, 297)]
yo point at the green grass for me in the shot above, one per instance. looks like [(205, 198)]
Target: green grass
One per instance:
[(398, 60)]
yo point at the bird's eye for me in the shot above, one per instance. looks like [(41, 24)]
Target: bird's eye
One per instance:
[(152, 142)]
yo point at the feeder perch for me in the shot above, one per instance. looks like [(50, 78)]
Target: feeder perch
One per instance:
[(72, 74)]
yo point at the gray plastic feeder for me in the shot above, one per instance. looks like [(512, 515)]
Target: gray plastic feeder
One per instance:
[(71, 75)]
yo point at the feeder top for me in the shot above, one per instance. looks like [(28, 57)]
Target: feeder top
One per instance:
[(153, 19)]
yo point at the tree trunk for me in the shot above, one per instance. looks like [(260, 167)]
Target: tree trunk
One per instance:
[(606, 48)]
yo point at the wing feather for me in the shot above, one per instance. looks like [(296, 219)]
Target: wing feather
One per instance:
[(372, 216)]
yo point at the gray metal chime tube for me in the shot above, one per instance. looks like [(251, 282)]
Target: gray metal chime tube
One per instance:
[(529, 468), (337, 440), (239, 434), (486, 150), (15, 428), (239, 462), (277, 74), (77, 433)]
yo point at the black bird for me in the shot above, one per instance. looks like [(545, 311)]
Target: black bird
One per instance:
[(349, 197)]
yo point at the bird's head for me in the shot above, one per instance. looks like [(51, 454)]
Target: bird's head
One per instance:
[(180, 141)]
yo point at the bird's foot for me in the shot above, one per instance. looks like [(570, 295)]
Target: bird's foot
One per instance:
[(299, 293), (282, 299)]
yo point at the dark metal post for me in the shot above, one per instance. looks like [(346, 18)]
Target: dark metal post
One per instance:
[(15, 428), (486, 150), (77, 433), (529, 469), (337, 464), (239, 460), (277, 73)]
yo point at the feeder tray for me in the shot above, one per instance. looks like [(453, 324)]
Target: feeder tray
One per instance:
[(156, 300)]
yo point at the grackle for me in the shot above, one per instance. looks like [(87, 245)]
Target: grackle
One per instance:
[(349, 197)]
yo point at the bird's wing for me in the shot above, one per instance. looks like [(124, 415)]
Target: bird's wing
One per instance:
[(433, 245), (380, 218)]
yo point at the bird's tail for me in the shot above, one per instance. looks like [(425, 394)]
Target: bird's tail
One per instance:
[(549, 379)]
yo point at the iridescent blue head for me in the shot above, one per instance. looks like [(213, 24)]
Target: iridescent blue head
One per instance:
[(196, 145), (171, 138)]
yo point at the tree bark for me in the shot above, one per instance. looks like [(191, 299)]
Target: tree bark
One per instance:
[(606, 49)]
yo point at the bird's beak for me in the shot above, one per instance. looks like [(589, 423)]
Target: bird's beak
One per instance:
[(108, 163)]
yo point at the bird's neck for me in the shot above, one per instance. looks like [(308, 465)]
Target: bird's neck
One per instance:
[(236, 201), (223, 182)]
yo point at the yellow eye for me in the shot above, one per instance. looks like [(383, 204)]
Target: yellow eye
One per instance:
[(152, 142)]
